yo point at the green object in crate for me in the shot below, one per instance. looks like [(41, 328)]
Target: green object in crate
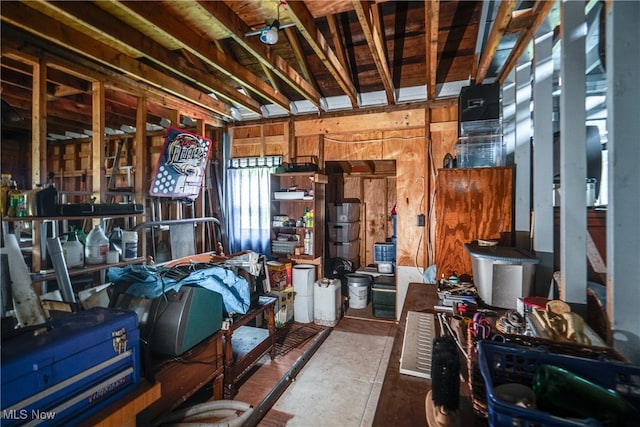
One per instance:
[(566, 394)]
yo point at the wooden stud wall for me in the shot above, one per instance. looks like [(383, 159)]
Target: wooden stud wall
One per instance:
[(264, 139)]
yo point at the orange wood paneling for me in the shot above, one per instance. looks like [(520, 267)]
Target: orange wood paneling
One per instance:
[(471, 204)]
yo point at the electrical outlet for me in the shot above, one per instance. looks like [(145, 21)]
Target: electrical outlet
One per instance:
[(421, 220)]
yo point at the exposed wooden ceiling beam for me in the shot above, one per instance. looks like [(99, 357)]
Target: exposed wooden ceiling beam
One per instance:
[(273, 80), (205, 50), (432, 22), (369, 18), (521, 20), (14, 78), (336, 36), (32, 21), (108, 27), (301, 59), (159, 101), (498, 29), (224, 48), (541, 8), (300, 15), (18, 73), (237, 29), (131, 101)]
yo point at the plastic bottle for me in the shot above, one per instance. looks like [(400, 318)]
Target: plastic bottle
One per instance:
[(97, 246), (73, 251), (129, 245), (13, 198), (5, 185), (309, 221), (115, 240), (308, 243), (394, 219), (19, 203)]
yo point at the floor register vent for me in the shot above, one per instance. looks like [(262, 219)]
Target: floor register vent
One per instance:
[(417, 344)]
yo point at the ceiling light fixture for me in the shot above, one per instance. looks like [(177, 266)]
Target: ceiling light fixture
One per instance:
[(269, 34)]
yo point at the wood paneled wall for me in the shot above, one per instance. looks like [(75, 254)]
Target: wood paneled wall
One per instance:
[(471, 204), (415, 138)]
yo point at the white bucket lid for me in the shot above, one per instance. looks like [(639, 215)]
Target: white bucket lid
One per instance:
[(358, 280)]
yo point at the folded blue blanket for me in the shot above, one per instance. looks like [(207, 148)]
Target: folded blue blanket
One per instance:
[(149, 282)]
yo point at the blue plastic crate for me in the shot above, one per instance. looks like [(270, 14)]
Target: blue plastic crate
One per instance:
[(502, 363), (384, 252)]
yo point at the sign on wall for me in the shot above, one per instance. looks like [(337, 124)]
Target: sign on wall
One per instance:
[(181, 165)]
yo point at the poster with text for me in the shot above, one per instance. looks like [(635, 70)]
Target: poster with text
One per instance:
[(181, 165)]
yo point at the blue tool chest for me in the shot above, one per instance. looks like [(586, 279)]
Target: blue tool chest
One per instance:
[(73, 367)]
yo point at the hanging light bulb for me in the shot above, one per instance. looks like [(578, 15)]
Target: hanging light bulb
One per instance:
[(269, 34)]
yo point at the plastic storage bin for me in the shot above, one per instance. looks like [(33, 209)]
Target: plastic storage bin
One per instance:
[(480, 151), (344, 212), (383, 297), (502, 363), (347, 250), (344, 231), (481, 127), (384, 252), (501, 274)]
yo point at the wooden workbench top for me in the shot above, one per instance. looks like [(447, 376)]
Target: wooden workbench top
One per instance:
[(402, 398)]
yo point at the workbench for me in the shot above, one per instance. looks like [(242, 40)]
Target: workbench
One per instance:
[(402, 398)]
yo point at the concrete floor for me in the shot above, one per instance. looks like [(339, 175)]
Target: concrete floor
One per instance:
[(339, 385)]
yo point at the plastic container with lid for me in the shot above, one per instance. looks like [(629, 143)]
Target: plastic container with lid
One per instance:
[(73, 251), (129, 245), (115, 240), (327, 302), (480, 151), (502, 274), (346, 211), (5, 185), (97, 246)]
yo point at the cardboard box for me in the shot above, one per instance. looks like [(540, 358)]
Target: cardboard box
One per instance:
[(284, 305), (279, 274)]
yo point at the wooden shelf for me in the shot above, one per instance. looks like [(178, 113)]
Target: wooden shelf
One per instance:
[(87, 269), (294, 209), (67, 218), (39, 260)]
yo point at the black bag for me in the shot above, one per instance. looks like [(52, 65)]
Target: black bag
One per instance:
[(297, 166)]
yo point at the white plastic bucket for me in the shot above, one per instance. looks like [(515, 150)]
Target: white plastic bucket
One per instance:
[(304, 276), (303, 309), (358, 290), (129, 245)]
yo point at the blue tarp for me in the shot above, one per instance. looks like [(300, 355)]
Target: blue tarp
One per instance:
[(148, 282)]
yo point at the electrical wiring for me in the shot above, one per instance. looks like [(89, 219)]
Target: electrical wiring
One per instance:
[(432, 169), (381, 139), (420, 271)]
